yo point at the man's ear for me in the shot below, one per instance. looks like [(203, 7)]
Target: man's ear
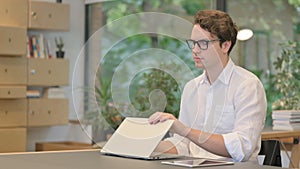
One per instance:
[(226, 46)]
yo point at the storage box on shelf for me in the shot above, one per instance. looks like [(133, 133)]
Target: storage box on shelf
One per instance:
[(13, 40), (48, 72), (14, 12), (49, 16), (13, 113), (13, 70), (46, 112), (12, 139)]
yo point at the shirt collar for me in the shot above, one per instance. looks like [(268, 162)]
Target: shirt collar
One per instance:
[(203, 78), (225, 75)]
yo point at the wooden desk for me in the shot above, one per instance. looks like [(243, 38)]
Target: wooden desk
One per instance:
[(92, 159), (288, 138), (268, 133)]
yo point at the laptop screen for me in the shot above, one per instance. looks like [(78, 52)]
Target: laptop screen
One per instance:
[(136, 137)]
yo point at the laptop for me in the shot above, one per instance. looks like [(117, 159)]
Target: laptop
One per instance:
[(136, 138)]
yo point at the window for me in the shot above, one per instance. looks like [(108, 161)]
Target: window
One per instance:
[(140, 55), (272, 22)]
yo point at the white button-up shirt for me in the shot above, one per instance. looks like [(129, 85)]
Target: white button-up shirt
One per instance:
[(234, 106)]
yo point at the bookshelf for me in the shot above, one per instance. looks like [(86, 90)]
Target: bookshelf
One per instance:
[(43, 72), (19, 72), (13, 73)]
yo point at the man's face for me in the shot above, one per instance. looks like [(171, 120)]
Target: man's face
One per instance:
[(206, 59)]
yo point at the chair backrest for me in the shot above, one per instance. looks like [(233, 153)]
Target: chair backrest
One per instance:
[(271, 150)]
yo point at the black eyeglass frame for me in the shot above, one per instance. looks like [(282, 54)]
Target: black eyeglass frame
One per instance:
[(197, 42)]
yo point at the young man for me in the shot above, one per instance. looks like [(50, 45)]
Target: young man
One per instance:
[(223, 110)]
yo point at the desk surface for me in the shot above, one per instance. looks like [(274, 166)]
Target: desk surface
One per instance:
[(268, 133), (92, 159)]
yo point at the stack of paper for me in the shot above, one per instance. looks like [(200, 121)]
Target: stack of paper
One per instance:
[(54, 93), (286, 120)]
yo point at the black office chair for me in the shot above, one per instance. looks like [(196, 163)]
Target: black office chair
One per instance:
[(271, 150)]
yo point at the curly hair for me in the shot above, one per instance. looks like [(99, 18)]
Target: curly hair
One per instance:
[(218, 23)]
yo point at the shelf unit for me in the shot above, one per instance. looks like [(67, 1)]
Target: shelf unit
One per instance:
[(18, 73)]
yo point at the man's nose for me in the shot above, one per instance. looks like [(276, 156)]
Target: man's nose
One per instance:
[(196, 50)]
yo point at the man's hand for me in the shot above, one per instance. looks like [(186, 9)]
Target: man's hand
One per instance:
[(160, 117), (177, 127)]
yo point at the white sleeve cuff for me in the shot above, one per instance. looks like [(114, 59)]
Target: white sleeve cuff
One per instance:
[(234, 146)]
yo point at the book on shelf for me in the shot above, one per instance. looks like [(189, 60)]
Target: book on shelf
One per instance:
[(34, 47), (29, 47), (286, 120), (285, 123), (288, 126), (38, 47), (284, 117), (285, 114), (41, 46), (33, 94)]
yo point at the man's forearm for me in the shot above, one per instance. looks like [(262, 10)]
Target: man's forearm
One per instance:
[(213, 143), (166, 147)]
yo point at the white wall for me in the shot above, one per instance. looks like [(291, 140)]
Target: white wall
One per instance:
[(74, 41)]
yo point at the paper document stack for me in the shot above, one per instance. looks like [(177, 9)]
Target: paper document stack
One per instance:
[(286, 120), (54, 93)]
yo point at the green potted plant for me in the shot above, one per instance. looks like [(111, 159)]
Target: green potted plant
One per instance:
[(287, 86), (102, 113), (287, 82), (59, 45), (157, 79)]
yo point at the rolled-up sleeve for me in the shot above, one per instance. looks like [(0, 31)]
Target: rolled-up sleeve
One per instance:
[(235, 146), (243, 142)]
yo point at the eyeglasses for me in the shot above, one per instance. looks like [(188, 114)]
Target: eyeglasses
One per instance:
[(202, 44)]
